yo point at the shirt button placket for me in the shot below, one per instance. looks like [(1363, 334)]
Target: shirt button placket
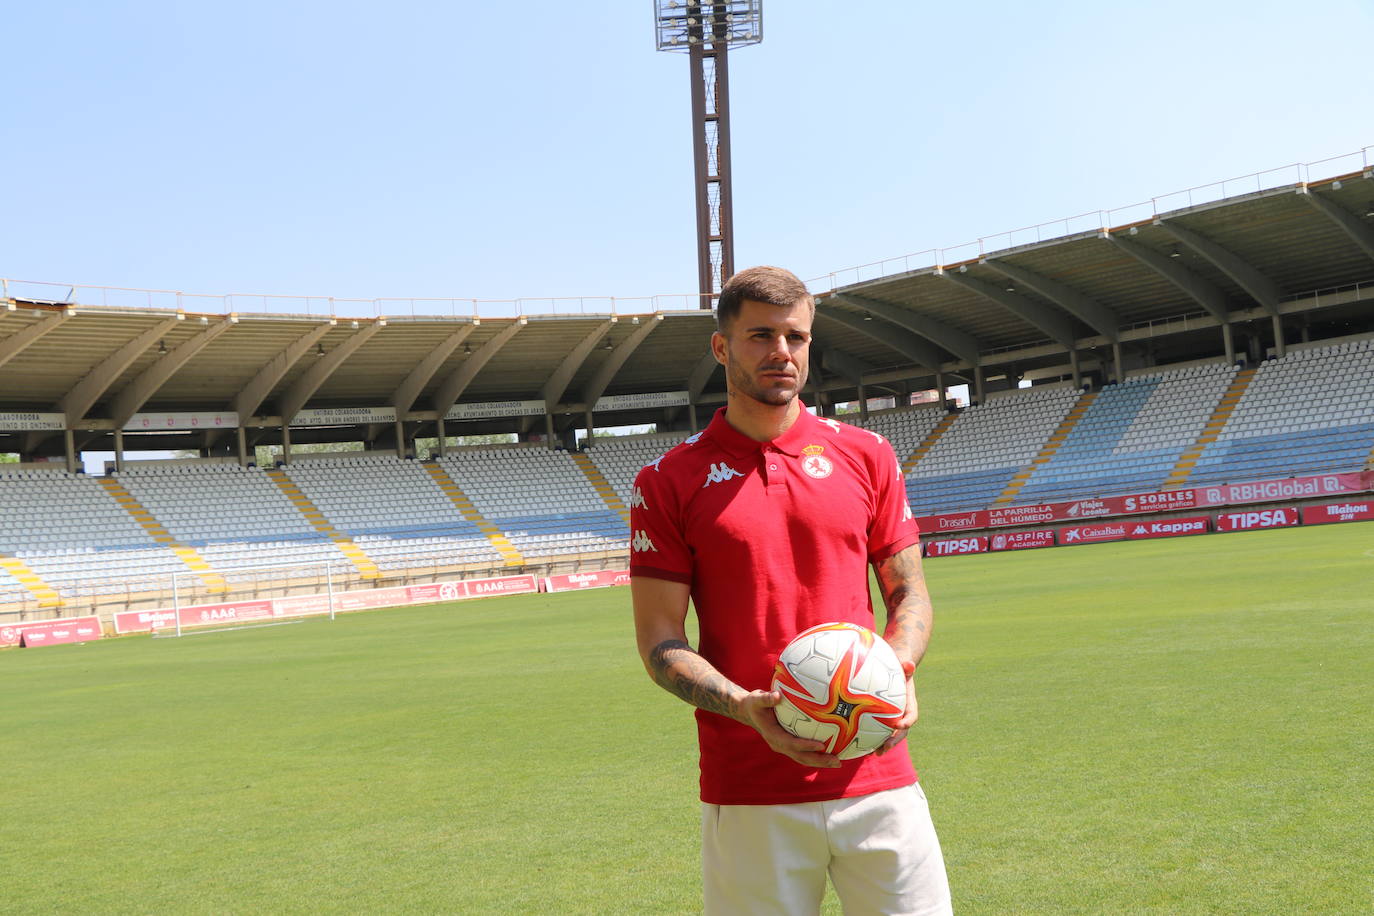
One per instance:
[(772, 470)]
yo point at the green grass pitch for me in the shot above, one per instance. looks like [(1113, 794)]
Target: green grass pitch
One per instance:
[(1157, 727)]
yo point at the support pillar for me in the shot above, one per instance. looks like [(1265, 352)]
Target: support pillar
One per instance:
[(591, 434), (69, 444), (285, 444), (940, 390), (1280, 346), (241, 440), (692, 417), (863, 404), (439, 428), (119, 450), (1075, 368), (978, 396), (1117, 375), (400, 438), (1228, 340)]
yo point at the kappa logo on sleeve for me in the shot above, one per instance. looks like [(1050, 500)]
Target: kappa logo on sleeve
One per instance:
[(833, 424), (720, 473), (654, 464), (637, 500), (642, 544), (692, 439)]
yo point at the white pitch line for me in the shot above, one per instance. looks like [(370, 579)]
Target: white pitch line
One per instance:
[(253, 626)]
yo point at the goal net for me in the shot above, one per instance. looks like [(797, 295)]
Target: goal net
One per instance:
[(247, 596)]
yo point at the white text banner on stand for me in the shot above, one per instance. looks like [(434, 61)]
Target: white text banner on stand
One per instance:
[(641, 401), (32, 422), (150, 421), (342, 416), (495, 409)]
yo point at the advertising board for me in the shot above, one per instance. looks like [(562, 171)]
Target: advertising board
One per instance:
[(1350, 511), (51, 632), (1252, 519), (949, 547)]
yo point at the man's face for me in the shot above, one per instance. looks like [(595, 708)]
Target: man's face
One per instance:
[(765, 351)]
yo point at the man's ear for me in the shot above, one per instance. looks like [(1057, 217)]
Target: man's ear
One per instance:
[(718, 346)]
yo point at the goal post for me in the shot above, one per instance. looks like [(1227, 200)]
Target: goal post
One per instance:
[(251, 594)]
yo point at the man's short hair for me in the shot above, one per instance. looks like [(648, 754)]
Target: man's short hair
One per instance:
[(769, 285)]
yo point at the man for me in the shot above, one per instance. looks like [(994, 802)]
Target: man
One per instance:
[(767, 521)]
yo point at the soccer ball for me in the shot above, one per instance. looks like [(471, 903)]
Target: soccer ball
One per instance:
[(841, 684)]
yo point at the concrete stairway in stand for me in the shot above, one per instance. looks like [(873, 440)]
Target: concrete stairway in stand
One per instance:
[(360, 560), (598, 482), (1052, 446), (469, 512), (44, 593), (191, 557), (929, 442), (1188, 460)]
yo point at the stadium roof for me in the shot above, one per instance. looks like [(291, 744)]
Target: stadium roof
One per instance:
[(1156, 290)]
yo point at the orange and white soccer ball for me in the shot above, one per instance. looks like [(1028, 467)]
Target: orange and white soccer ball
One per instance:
[(841, 684)]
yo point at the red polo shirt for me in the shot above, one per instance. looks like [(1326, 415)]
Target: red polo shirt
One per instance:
[(773, 538)]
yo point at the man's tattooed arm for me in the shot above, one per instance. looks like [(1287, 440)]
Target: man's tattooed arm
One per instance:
[(677, 668), (909, 616)]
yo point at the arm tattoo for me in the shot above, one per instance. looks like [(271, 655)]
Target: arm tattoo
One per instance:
[(678, 669), (903, 586)]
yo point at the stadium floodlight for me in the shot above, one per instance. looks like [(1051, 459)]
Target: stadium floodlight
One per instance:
[(706, 30), (682, 23)]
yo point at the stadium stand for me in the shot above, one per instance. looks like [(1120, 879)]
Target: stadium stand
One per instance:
[(91, 546), (975, 459), (541, 501), (1131, 436), (905, 428), (232, 516), (392, 510), (620, 458), (1308, 412), (12, 591)]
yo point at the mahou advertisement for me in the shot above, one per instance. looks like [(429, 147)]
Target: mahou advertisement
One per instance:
[(1350, 511)]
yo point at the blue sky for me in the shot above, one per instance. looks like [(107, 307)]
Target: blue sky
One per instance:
[(543, 149)]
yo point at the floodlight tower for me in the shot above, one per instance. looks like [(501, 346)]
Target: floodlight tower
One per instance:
[(707, 30)]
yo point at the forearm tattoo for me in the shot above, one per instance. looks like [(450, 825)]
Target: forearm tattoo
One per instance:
[(903, 585), (678, 669)]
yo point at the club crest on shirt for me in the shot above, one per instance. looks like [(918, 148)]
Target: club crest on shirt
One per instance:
[(815, 464)]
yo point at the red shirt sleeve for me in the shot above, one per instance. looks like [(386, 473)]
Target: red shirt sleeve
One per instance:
[(894, 528), (658, 546)]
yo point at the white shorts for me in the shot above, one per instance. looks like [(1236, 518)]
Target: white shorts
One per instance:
[(880, 851)]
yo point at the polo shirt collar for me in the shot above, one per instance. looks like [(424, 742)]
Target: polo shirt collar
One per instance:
[(802, 433)]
